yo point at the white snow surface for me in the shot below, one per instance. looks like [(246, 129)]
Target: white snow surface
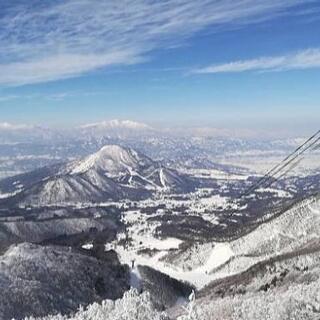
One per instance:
[(202, 263), (117, 124), (112, 159), (289, 232)]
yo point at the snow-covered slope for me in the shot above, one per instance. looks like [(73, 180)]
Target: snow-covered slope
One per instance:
[(291, 231), (37, 280), (287, 288), (127, 166), (114, 160), (285, 291), (201, 263), (294, 229)]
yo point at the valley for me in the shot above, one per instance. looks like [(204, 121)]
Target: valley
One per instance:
[(178, 226)]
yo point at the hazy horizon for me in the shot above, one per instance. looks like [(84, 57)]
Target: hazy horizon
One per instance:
[(181, 129)]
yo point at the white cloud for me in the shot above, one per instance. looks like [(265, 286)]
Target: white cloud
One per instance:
[(60, 66), (8, 98), (12, 127), (301, 60), (43, 41), (55, 96)]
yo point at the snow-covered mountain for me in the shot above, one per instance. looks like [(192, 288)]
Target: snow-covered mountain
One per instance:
[(117, 124), (128, 168), (113, 173), (115, 128)]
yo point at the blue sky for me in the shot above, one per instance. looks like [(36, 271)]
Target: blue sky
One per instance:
[(240, 63)]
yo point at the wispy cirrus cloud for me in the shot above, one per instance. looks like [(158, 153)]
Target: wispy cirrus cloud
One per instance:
[(54, 96), (305, 59), (43, 41)]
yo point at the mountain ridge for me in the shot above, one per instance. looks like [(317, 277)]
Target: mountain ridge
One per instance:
[(112, 173)]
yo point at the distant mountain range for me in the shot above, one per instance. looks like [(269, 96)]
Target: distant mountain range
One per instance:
[(117, 124), (25, 148), (17, 133)]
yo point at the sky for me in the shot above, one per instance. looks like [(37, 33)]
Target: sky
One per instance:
[(246, 64)]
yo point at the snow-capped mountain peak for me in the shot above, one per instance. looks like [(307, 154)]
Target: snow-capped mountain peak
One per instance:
[(115, 128), (112, 159), (117, 124)]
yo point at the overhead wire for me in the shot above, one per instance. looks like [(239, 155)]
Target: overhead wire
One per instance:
[(289, 163)]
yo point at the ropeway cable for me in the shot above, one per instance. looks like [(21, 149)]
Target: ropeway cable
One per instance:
[(287, 161)]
